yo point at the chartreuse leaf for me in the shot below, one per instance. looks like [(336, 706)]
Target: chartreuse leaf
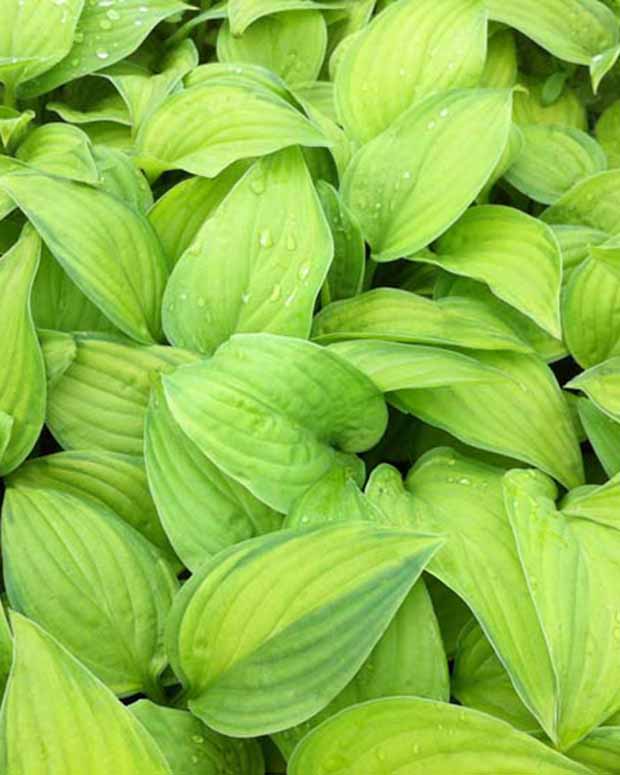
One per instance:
[(601, 384), (292, 45), (190, 746), (320, 95), (13, 126), (515, 254), (113, 256), (22, 377), (603, 433), (600, 504), (201, 509), (115, 482), (273, 223), (608, 133), (600, 750), (581, 31), (552, 160), (120, 177), (593, 202), (489, 415), (242, 13), (280, 434), (99, 389), (62, 150), (395, 315), (90, 100), (111, 588), (480, 681), (501, 66), (105, 35), (392, 185), (557, 553), (451, 611), (252, 669), (408, 660), (50, 692), (179, 214), (409, 51), (227, 131), (404, 735), (608, 254), (531, 108), (6, 651), (462, 498), (575, 244)]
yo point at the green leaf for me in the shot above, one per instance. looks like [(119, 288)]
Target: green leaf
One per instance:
[(403, 734), (451, 611), (22, 378), (189, 745), (292, 45), (320, 95), (201, 509), (99, 389), (90, 100), (281, 433), (273, 223), (599, 751), (529, 107), (257, 674), (61, 150), (501, 66), (243, 13), (599, 504), (111, 589), (50, 692), (552, 160), (228, 106), (575, 243), (120, 177), (13, 126), (6, 650), (393, 186), (115, 482), (608, 133), (395, 315), (113, 256), (603, 433), (593, 202), (515, 254), (104, 35), (411, 50), (601, 384)]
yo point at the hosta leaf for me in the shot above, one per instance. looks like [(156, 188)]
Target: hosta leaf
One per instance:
[(6, 651), (105, 35), (50, 692), (395, 315), (91, 100), (115, 482), (593, 202), (603, 433), (451, 611), (403, 734), (273, 223), (552, 160), (599, 504), (515, 254), (279, 435), (490, 415), (113, 256), (500, 68), (201, 509), (412, 49), (600, 750), (61, 150), (189, 745), (261, 673), (557, 555), (530, 108), (608, 133), (227, 130), (13, 126), (601, 384), (292, 45), (22, 378), (99, 391), (242, 13), (575, 243), (408, 660), (392, 185), (320, 95), (111, 589), (120, 177)]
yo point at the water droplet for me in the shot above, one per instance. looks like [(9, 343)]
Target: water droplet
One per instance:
[(464, 481), (291, 242), (275, 293), (451, 65), (597, 58), (245, 297), (402, 72), (416, 749), (138, 23), (444, 112), (304, 271), (183, 296), (265, 239), (431, 124), (113, 15), (305, 519), (257, 185), (195, 759), (290, 299), (201, 302), (407, 175), (102, 53), (451, 462), (143, 9), (75, 62), (105, 24), (198, 739)]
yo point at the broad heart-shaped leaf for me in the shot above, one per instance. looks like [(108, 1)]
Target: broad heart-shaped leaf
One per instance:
[(408, 660), (292, 45), (201, 509), (24, 51), (22, 376), (607, 133), (62, 150), (95, 583), (575, 246), (603, 433), (572, 574), (593, 202), (91, 100), (115, 482), (242, 13), (13, 126), (259, 658), (273, 227), (120, 177), (490, 415), (392, 314), (113, 255), (105, 35), (463, 499), (530, 108), (412, 49), (601, 384), (599, 504), (190, 746), (50, 692), (396, 185), (99, 389), (413, 736), (180, 213), (171, 138), (515, 254), (552, 160), (600, 750), (581, 31), (279, 432), (501, 66)]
